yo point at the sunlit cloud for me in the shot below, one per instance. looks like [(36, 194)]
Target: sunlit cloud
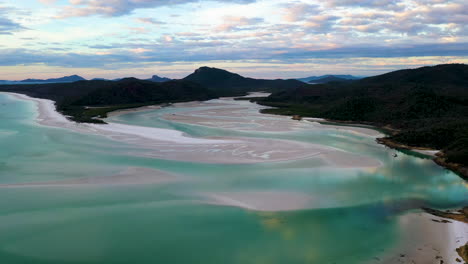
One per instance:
[(299, 11), (48, 2), (231, 23), (119, 35), (80, 8), (149, 20)]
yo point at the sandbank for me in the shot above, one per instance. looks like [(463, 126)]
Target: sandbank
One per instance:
[(272, 201), (175, 145), (424, 238)]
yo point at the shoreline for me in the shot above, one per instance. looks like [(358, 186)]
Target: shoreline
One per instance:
[(422, 223), (457, 215), (170, 144), (425, 238), (49, 116), (395, 145), (437, 155), (361, 129), (133, 110)]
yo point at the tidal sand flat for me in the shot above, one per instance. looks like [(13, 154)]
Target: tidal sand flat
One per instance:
[(261, 200), (214, 172), (425, 238), (176, 145)]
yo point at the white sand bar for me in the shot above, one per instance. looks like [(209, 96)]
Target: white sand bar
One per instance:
[(423, 240), (175, 145), (272, 201), (246, 116)]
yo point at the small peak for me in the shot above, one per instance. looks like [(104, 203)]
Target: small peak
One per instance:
[(203, 68), (128, 79)]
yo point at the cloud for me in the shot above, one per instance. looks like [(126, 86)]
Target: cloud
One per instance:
[(321, 23), (149, 20), (138, 30), (48, 2), (231, 23), (385, 4), (102, 47), (219, 51), (167, 38), (8, 26), (416, 50), (80, 8), (432, 19), (299, 11), (283, 31)]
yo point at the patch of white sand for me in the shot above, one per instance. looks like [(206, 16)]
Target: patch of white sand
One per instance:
[(175, 145), (272, 201), (422, 240)]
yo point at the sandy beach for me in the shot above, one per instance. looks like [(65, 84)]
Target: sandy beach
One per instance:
[(426, 239), (231, 115), (175, 145), (268, 201), (357, 130), (133, 110)]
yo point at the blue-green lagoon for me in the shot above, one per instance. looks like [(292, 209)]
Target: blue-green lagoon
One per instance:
[(214, 182)]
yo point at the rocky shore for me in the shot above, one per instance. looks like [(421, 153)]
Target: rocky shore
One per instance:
[(439, 156)]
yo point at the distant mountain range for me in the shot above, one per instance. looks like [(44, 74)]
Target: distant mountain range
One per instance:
[(156, 78), (330, 77), (217, 77), (74, 78), (66, 79)]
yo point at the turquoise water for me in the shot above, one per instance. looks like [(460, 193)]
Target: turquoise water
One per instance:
[(166, 223)]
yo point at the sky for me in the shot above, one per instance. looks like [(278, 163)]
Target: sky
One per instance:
[(255, 38)]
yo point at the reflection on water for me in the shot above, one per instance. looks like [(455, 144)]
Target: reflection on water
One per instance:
[(350, 217)]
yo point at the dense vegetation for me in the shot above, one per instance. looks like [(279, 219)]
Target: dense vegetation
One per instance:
[(84, 100), (230, 84), (329, 79), (427, 106)]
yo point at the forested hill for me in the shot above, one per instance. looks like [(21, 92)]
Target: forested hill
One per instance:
[(227, 83), (428, 92), (83, 100), (79, 99), (451, 75), (428, 105)]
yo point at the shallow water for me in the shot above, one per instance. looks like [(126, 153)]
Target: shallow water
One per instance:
[(350, 215)]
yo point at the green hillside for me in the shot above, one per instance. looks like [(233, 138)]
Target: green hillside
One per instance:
[(427, 106), (228, 84), (84, 100)]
